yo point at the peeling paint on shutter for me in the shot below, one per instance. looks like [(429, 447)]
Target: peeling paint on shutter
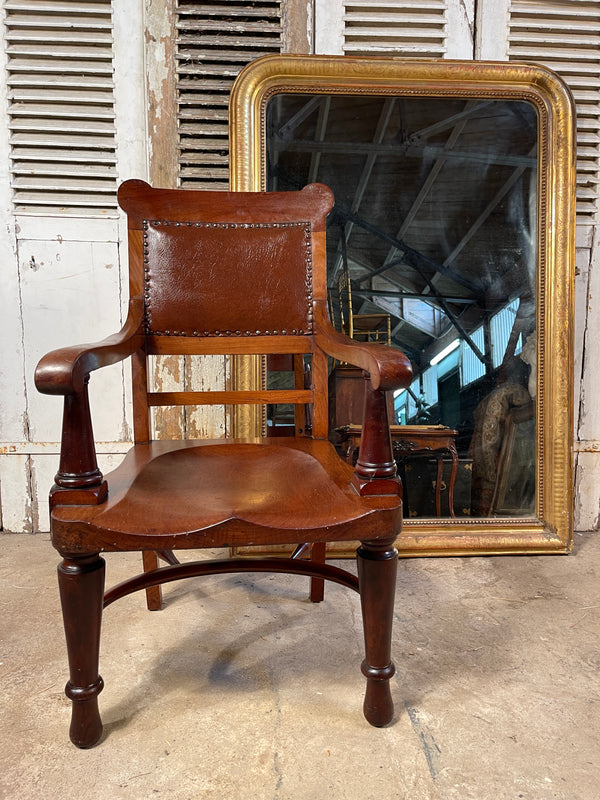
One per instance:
[(565, 36), (61, 106), (214, 41), (396, 27)]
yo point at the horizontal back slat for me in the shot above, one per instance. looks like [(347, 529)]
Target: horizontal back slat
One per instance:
[(230, 398), (226, 345)]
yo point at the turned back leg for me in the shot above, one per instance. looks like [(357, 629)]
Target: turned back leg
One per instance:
[(153, 593), (317, 585), (377, 568), (81, 584)]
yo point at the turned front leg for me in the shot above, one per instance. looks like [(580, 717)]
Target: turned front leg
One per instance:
[(81, 584), (377, 568)]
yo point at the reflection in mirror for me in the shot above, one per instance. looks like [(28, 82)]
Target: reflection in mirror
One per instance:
[(433, 247)]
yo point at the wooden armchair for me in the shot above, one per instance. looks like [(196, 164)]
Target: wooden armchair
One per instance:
[(218, 273)]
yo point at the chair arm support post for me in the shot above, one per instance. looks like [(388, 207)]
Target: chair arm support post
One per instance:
[(375, 470), (385, 369), (67, 372), (78, 464)]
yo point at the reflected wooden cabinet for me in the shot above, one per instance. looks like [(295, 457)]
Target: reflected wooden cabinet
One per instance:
[(346, 397)]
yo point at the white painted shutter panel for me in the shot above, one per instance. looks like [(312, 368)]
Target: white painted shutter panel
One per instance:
[(214, 41), (566, 37), (61, 111), (395, 27)]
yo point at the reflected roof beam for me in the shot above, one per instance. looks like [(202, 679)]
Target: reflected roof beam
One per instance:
[(457, 122), (322, 120), (471, 107), (488, 210), (394, 295), (433, 174), (412, 257), (419, 256), (287, 130), (367, 170), (494, 202), (412, 150)]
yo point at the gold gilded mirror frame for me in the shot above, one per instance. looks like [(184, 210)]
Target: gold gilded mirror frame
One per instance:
[(550, 528)]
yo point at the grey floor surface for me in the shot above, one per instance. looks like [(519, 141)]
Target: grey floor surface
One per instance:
[(240, 688)]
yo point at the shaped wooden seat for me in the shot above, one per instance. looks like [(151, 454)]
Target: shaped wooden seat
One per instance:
[(220, 273), (220, 490)]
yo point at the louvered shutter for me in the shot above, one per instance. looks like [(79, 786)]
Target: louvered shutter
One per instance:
[(61, 111), (395, 27), (566, 37), (214, 41)]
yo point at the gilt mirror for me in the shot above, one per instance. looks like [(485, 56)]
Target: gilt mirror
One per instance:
[(452, 240)]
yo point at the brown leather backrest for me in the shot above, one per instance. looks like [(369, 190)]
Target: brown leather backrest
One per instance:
[(227, 278)]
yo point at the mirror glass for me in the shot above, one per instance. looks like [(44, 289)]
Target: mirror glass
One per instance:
[(432, 246), (452, 238)]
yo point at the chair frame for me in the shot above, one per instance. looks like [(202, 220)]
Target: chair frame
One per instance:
[(80, 488)]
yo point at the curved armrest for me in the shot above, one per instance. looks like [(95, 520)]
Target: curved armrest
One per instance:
[(387, 368), (67, 370)]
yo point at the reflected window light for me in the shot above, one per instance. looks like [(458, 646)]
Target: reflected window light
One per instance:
[(415, 390), (471, 367), (445, 352), (430, 386), (501, 325), (400, 396)]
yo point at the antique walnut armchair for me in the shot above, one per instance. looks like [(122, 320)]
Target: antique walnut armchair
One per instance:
[(223, 273)]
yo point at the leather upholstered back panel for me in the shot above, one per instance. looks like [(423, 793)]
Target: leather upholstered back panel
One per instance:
[(262, 269)]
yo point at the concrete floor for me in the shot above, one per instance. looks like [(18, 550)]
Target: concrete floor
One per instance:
[(240, 688)]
